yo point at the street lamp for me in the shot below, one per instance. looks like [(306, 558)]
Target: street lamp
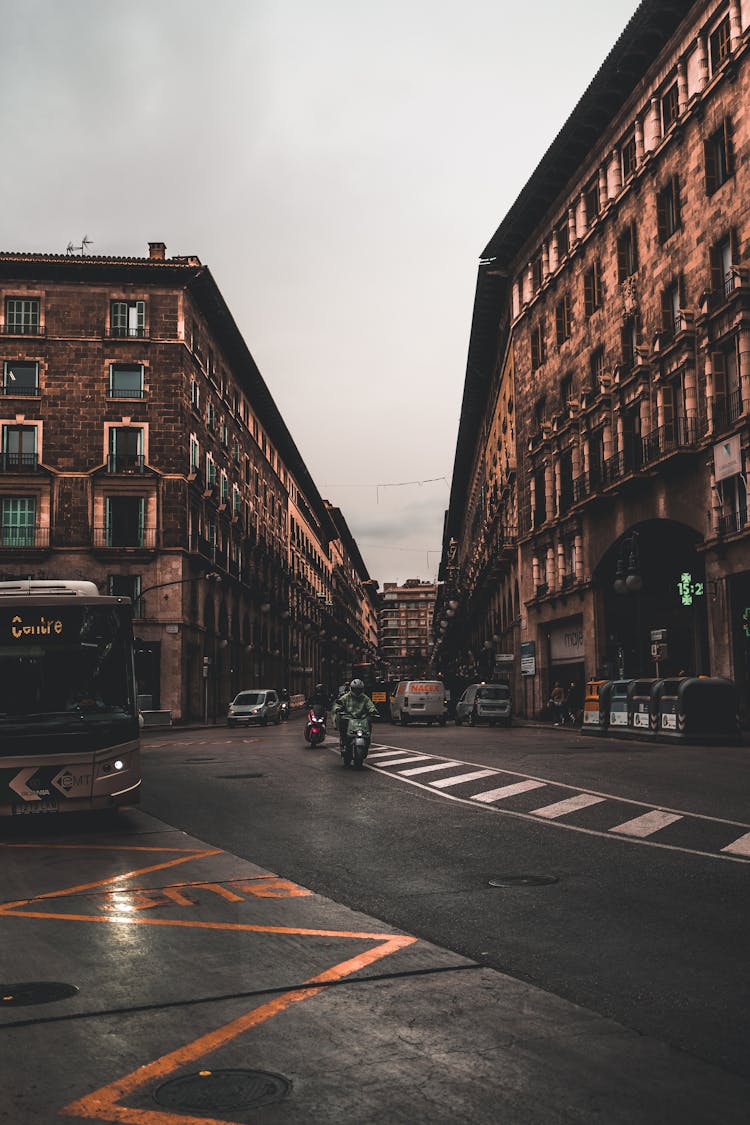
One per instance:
[(628, 578)]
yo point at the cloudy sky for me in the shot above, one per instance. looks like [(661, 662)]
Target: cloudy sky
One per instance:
[(338, 165)]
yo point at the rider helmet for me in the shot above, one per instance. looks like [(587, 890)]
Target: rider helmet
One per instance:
[(356, 687)]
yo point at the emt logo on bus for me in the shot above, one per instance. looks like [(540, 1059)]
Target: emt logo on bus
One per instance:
[(43, 627)]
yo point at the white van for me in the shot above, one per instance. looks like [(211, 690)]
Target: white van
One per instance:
[(419, 701)]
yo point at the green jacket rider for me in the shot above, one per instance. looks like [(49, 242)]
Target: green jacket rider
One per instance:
[(353, 704)]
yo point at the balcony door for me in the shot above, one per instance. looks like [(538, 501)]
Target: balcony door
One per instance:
[(125, 521), (19, 447)]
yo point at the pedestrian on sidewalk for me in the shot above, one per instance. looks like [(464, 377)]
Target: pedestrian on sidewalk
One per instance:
[(557, 703), (574, 702)]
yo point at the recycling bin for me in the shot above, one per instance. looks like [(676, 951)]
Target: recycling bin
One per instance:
[(643, 707), (618, 706), (701, 709), (596, 707)]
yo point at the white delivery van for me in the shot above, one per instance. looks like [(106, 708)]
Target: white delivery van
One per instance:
[(419, 701)]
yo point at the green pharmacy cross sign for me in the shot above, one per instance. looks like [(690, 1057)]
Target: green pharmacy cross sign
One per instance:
[(746, 621), (689, 590)]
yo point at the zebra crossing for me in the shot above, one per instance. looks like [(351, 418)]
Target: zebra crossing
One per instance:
[(565, 806)]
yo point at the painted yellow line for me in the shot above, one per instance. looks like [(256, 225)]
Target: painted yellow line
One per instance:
[(8, 907), (102, 1105)]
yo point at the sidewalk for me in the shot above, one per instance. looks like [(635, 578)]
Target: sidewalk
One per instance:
[(247, 984)]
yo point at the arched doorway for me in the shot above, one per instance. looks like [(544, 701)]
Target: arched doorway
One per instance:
[(653, 578)]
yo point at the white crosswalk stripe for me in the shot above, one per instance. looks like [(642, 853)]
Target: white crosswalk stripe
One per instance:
[(507, 791), (447, 782), (647, 824), (428, 769), (405, 761), (741, 846), (571, 804)]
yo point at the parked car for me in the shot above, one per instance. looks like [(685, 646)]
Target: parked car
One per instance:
[(485, 703), (260, 705), (419, 701)]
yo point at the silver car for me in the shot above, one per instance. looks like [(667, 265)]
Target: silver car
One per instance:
[(261, 705), (489, 703)]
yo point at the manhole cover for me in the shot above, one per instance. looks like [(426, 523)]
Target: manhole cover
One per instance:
[(523, 880), (222, 1091), (34, 992)]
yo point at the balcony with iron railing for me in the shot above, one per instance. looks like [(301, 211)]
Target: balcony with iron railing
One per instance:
[(568, 581), (20, 539), (126, 392), (542, 589), (118, 537), (727, 410), (19, 462), (16, 389), (18, 328), (127, 332), (732, 523), (126, 463), (681, 434)]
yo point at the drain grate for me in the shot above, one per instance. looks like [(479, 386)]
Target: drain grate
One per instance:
[(222, 1091), (24, 993), (523, 880)]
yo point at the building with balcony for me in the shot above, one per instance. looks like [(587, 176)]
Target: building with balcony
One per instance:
[(405, 628), (141, 448), (615, 299)]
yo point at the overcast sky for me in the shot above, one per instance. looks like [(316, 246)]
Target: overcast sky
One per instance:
[(339, 166)]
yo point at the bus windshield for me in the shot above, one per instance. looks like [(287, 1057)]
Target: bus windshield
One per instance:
[(63, 666)]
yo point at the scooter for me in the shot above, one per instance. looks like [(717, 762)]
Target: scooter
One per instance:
[(315, 727), (284, 710), (355, 742)]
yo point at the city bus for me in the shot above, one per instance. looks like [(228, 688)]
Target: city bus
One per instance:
[(69, 722)]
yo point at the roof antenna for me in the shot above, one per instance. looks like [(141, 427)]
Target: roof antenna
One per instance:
[(85, 241)]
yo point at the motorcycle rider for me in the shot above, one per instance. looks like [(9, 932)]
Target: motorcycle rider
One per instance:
[(318, 701), (353, 704)]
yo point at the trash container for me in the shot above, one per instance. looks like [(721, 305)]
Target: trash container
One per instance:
[(596, 707), (618, 706), (700, 709), (643, 707)]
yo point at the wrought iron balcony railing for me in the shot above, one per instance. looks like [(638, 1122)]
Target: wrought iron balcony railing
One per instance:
[(125, 463), (18, 462), (727, 409), (732, 523), (124, 537), (23, 538)]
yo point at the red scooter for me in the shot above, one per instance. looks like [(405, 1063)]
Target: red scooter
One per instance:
[(315, 727)]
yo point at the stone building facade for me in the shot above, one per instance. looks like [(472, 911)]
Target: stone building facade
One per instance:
[(142, 449), (617, 290), (405, 627)]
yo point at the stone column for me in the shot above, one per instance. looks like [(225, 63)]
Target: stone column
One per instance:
[(659, 406), (607, 443), (575, 458), (639, 151), (735, 23), (572, 231), (708, 372), (560, 565), (550, 575), (644, 408), (549, 489), (586, 454), (579, 556), (620, 443), (532, 497), (744, 364), (584, 212), (603, 188), (682, 87), (545, 261), (702, 60), (554, 252), (616, 172), (655, 116), (530, 278), (535, 572)]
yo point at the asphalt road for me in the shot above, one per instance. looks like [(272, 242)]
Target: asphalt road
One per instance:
[(646, 921)]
